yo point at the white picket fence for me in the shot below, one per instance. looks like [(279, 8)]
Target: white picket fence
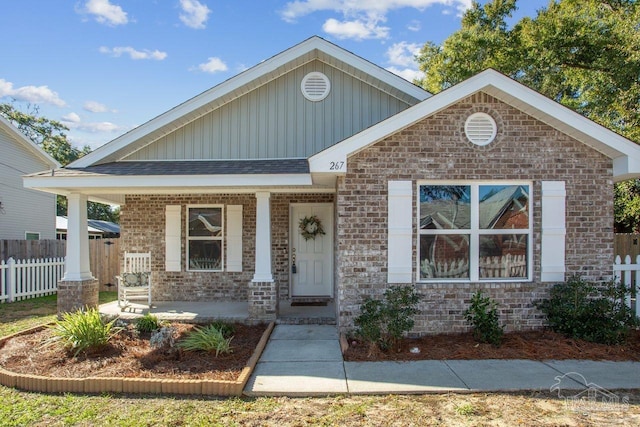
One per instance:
[(492, 266), (629, 274), (29, 278)]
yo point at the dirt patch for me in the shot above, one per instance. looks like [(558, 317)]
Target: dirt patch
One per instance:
[(533, 345), (130, 355)]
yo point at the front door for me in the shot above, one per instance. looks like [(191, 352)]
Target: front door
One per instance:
[(312, 275)]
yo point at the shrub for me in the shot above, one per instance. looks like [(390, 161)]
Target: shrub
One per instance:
[(83, 330), (227, 329), (483, 316), (382, 323), (596, 313), (147, 323), (208, 338)]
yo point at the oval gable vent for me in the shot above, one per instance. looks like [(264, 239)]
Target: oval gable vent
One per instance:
[(480, 129), (315, 86)]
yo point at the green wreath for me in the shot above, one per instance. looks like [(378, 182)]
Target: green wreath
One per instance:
[(310, 227)]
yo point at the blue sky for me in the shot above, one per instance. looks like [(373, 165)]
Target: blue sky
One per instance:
[(103, 67)]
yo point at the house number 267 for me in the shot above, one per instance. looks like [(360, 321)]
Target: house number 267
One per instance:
[(336, 166)]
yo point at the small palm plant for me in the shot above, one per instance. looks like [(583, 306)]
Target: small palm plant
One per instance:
[(83, 330)]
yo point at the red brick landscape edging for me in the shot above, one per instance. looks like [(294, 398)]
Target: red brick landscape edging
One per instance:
[(131, 385)]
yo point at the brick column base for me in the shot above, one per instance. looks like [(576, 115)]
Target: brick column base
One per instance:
[(73, 296), (263, 301)]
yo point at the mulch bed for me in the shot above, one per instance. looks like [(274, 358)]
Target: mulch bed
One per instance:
[(533, 345), (130, 355)]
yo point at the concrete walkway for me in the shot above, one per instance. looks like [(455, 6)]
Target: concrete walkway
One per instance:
[(305, 360)]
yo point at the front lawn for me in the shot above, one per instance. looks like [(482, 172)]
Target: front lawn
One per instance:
[(21, 408), (21, 315)]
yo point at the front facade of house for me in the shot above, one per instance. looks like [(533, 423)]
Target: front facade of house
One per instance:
[(487, 186), (25, 214)]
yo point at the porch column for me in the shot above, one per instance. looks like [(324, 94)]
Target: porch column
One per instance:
[(263, 293), (78, 288)]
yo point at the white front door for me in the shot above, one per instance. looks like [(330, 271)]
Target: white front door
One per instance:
[(312, 275)]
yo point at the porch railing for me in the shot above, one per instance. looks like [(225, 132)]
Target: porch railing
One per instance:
[(22, 279)]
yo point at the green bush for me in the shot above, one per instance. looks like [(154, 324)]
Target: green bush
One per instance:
[(483, 316), (227, 329), (596, 313), (83, 330), (382, 323), (147, 323), (208, 338)]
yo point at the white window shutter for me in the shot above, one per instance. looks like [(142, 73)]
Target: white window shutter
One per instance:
[(234, 238), (400, 232), (172, 237), (552, 248)]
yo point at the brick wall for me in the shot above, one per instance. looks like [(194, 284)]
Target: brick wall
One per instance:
[(142, 224), (436, 148)]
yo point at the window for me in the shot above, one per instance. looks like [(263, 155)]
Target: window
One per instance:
[(474, 232), (204, 238), (31, 236)]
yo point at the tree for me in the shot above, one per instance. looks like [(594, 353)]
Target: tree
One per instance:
[(51, 136), (584, 54)]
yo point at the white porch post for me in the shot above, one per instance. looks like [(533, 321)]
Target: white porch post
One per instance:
[(263, 238), (78, 288), (263, 291), (77, 262)]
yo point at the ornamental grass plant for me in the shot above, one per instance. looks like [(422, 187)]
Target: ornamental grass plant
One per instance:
[(210, 338), (82, 331)]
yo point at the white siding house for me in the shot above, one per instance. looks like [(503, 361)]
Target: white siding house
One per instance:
[(24, 213)]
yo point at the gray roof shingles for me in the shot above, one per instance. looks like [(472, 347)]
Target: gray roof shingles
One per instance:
[(193, 167)]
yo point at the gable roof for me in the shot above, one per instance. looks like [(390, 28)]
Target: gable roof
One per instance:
[(314, 48), (27, 143), (624, 153)]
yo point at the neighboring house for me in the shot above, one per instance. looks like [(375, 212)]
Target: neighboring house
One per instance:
[(97, 229), (25, 214), (487, 185)]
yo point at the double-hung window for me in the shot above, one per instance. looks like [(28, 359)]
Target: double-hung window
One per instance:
[(474, 231), (205, 234)]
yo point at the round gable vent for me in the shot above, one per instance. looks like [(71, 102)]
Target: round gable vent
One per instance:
[(480, 129), (315, 86)]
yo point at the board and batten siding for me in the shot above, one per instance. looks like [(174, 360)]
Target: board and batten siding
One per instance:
[(276, 121), (23, 210)]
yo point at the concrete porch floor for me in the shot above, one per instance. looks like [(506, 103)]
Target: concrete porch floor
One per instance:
[(203, 312)]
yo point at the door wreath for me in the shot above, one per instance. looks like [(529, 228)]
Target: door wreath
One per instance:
[(310, 227)]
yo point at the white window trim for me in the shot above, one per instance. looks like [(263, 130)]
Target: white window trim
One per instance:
[(474, 232), (221, 238)]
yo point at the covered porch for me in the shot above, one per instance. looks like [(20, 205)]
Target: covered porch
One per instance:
[(230, 311)]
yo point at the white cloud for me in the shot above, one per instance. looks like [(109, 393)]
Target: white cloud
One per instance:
[(195, 14), (96, 107), (403, 54), (34, 94), (213, 65), (414, 25), (357, 30), (106, 13), (134, 53), (74, 122), (361, 18), (71, 118), (410, 74), (298, 8)]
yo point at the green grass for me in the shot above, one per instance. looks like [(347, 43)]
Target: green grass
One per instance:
[(20, 315)]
